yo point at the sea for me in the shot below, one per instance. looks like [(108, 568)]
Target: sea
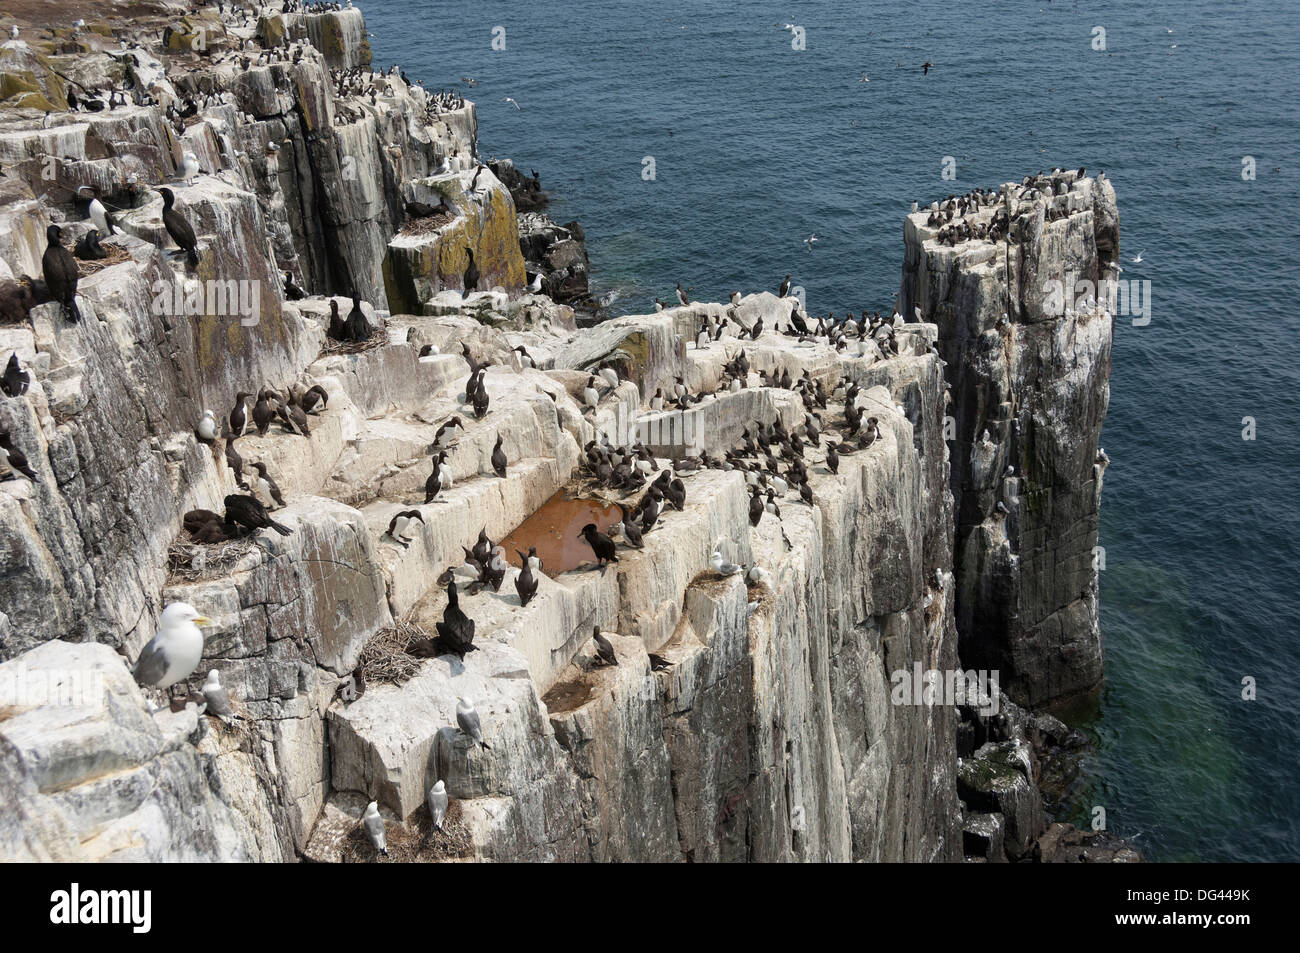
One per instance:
[(704, 142)]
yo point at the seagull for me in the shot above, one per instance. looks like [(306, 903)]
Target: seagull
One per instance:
[(467, 718), (215, 695), (721, 566), (207, 429), (864, 78), (438, 803), (174, 653), (1138, 259), (375, 828), (811, 240), (189, 168), (510, 99)]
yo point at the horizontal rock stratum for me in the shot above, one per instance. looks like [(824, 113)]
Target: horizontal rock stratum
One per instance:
[(745, 720)]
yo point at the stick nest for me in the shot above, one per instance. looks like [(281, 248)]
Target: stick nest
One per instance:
[(377, 339), (116, 255), (195, 561), (387, 656), (427, 225), (416, 841)]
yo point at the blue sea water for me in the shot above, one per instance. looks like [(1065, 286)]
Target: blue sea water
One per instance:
[(757, 145)]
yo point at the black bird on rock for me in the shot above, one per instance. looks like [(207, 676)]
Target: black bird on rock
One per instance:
[(604, 648), (315, 394), (471, 275), (499, 459), (356, 328), (61, 275), (17, 459), (456, 630), (247, 511), (15, 380), (89, 248), (178, 228), (291, 290), (600, 544), (337, 330), (525, 582)]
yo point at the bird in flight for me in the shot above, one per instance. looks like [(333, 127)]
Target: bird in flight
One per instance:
[(811, 240), (511, 99), (925, 68), (864, 78), (1138, 259)]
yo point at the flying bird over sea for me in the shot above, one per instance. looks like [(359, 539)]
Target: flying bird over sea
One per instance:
[(510, 99)]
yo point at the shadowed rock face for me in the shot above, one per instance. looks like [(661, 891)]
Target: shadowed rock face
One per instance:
[(772, 736), (1038, 385)]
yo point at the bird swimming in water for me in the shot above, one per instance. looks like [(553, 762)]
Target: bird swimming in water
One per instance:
[(375, 830), (248, 511), (467, 719), (61, 274), (604, 648), (174, 652)]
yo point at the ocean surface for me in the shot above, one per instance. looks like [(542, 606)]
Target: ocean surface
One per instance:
[(756, 146)]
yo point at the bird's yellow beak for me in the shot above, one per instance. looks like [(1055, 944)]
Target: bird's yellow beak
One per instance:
[(203, 620)]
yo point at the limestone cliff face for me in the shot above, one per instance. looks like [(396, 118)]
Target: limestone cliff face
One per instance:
[(1029, 399), (772, 736)]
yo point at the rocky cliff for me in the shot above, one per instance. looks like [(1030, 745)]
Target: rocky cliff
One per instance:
[(766, 727)]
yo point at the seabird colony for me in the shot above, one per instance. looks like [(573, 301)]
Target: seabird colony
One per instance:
[(776, 461)]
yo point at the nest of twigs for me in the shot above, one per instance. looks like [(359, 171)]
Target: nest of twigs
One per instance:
[(193, 561), (378, 338), (387, 656), (116, 255), (427, 225), (416, 841)]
